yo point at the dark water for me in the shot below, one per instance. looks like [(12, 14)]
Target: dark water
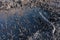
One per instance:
[(19, 27)]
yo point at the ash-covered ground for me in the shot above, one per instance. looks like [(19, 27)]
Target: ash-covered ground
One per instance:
[(29, 20)]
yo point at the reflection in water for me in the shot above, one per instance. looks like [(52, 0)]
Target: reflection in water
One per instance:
[(26, 25)]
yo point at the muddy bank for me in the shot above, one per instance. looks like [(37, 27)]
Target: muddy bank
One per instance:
[(51, 5)]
